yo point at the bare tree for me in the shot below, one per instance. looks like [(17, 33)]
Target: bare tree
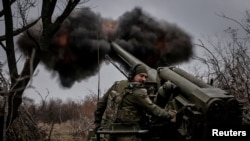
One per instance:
[(19, 81), (4, 86), (228, 61)]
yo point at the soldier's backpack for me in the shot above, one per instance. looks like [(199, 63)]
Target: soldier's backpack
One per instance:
[(115, 97)]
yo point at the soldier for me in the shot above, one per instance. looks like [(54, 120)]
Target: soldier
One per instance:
[(125, 104)]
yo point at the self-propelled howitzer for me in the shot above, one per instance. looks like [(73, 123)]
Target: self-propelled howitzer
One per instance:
[(201, 107)]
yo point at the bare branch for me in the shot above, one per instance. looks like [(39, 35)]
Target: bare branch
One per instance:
[(2, 11), (9, 41), (20, 30), (3, 46), (234, 20)]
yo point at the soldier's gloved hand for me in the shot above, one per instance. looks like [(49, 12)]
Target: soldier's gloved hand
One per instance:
[(173, 115)]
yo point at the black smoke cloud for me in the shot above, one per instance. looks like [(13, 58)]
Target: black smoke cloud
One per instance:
[(84, 37)]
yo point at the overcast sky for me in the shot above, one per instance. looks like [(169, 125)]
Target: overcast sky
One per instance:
[(196, 17)]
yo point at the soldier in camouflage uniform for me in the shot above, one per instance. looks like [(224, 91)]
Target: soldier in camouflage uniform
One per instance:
[(126, 103)]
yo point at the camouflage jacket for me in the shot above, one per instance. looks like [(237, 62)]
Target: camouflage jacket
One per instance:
[(102, 104), (127, 102)]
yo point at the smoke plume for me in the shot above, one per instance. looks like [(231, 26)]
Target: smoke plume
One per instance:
[(84, 37)]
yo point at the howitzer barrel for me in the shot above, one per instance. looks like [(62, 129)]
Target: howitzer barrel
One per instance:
[(131, 60), (184, 84), (191, 78)]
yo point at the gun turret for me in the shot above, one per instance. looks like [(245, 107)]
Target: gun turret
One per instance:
[(201, 107)]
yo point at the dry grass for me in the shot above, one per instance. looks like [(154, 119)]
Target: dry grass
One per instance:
[(62, 132)]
